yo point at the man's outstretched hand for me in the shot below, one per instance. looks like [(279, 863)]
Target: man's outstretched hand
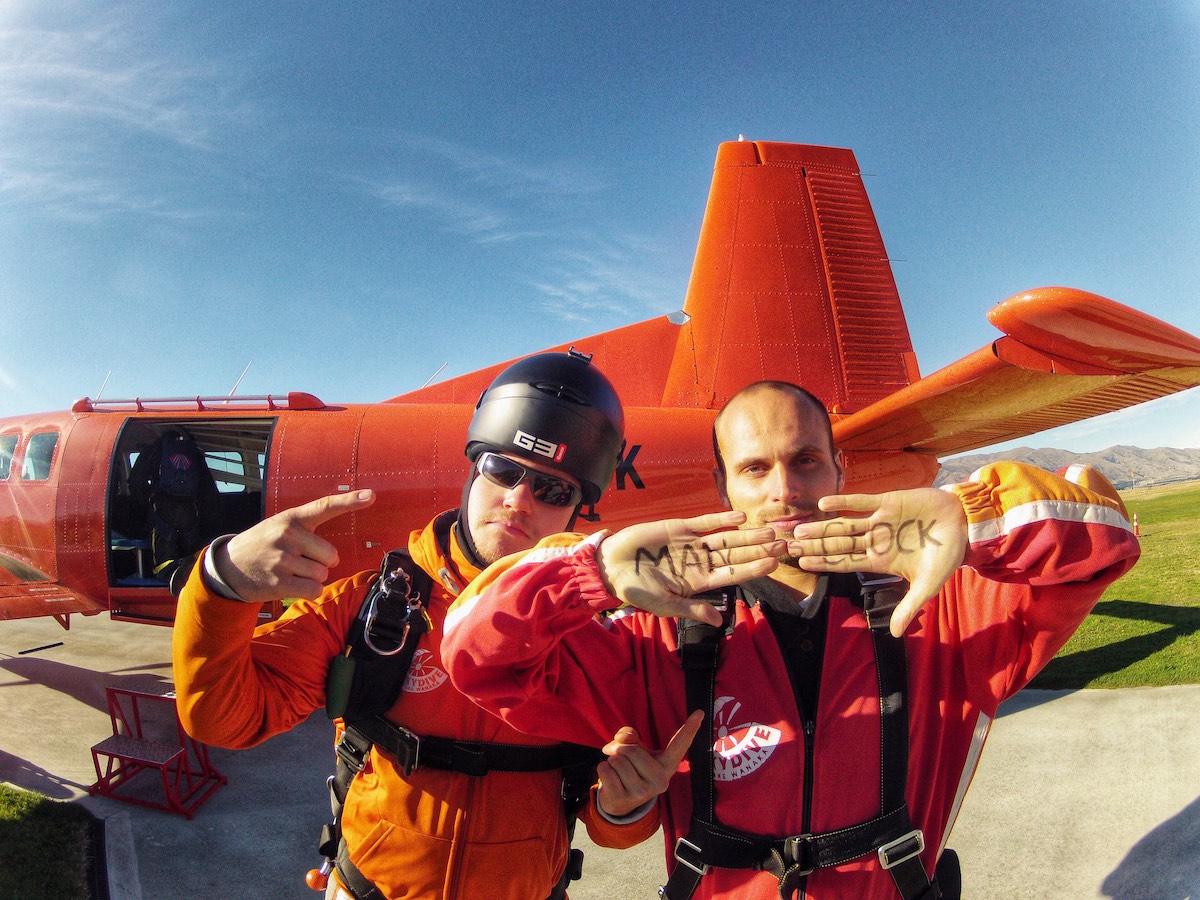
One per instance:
[(919, 535), (661, 566), (283, 556)]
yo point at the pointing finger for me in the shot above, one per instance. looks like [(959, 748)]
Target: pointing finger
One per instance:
[(317, 512)]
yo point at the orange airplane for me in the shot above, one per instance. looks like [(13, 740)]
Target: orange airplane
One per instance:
[(791, 281)]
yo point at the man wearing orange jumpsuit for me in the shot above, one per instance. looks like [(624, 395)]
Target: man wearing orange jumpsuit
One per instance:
[(432, 832)]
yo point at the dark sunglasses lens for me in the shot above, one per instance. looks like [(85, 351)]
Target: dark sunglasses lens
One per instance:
[(501, 471), (545, 488), (553, 491)]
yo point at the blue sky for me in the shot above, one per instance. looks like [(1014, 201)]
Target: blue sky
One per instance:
[(348, 196)]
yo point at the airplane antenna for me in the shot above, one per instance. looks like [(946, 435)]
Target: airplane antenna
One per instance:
[(240, 377), (103, 386), (435, 374)]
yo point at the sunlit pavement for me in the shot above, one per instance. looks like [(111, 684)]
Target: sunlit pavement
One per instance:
[(1085, 794)]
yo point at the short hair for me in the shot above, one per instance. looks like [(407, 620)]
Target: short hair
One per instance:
[(780, 387)]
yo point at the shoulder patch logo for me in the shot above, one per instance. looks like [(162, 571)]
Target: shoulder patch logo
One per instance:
[(740, 748), (423, 675)]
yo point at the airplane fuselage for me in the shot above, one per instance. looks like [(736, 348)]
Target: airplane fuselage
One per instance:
[(791, 282)]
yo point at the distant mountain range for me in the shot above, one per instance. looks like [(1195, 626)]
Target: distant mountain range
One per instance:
[(1124, 466)]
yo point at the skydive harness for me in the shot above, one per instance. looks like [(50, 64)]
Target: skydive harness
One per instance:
[(364, 683), (891, 836)]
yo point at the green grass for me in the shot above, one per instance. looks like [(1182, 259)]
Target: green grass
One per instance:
[(1145, 631), (44, 847)]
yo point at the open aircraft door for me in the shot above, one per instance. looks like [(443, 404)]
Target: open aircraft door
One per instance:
[(175, 482)]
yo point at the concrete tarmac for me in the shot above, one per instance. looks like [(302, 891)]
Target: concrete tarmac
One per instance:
[(1079, 795)]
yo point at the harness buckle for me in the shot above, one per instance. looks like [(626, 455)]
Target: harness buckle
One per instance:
[(407, 749), (904, 847), (683, 844), (794, 854), (386, 588), (352, 753)]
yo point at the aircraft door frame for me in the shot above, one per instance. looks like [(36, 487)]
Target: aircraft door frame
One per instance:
[(143, 551)]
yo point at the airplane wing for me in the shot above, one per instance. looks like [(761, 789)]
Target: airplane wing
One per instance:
[(26, 593), (1066, 355)]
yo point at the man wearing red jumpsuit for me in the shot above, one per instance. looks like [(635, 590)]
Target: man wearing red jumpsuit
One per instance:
[(1008, 564), (433, 832)]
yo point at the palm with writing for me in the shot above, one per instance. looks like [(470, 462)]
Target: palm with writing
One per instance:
[(919, 535), (661, 566)]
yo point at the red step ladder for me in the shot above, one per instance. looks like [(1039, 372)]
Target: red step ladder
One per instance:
[(147, 736)]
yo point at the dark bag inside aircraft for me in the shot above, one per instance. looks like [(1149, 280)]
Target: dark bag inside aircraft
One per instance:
[(173, 472)]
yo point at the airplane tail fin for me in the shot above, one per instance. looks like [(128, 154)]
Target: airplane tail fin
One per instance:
[(791, 281)]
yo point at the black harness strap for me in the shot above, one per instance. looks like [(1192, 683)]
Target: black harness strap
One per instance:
[(890, 835), (366, 679), (476, 758), (901, 857), (355, 881)]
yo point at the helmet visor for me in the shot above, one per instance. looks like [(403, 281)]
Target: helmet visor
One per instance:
[(548, 489)]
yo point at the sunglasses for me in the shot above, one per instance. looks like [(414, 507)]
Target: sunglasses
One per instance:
[(548, 489)]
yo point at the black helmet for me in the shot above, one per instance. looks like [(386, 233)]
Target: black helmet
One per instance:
[(557, 409)]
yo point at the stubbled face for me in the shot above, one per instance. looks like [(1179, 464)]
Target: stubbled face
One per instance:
[(504, 521), (778, 461)]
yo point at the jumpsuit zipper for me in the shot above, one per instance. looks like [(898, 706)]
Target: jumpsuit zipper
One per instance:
[(462, 834), (810, 728)]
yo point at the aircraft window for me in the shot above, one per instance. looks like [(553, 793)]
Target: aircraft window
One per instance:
[(228, 469), (38, 456), (8, 443)]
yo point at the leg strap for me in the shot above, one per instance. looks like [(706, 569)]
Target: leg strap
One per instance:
[(354, 880)]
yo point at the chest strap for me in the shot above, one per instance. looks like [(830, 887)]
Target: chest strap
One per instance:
[(477, 758), (890, 836)]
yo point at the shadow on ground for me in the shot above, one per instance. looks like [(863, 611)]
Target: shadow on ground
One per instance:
[(1163, 863), (1076, 670)]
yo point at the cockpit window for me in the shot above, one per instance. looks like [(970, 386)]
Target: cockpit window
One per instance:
[(8, 443), (38, 456)]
